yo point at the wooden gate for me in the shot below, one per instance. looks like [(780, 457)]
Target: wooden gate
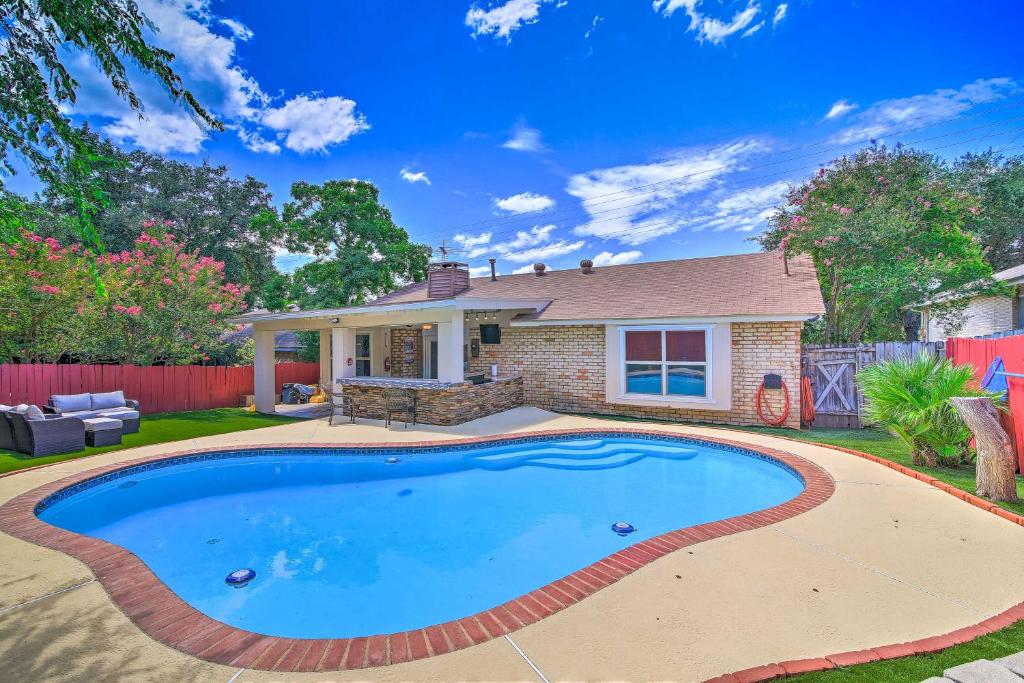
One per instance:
[(833, 370)]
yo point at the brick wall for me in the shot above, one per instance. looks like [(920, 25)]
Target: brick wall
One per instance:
[(450, 406), (563, 369), (409, 365)]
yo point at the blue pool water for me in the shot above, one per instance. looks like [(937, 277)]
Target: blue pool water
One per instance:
[(346, 544)]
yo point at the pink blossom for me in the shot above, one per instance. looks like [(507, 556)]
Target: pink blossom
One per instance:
[(168, 281), (974, 210), (47, 289), (33, 237), (34, 273), (149, 224), (12, 251), (161, 305), (216, 308)]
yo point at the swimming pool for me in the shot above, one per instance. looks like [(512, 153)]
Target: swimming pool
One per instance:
[(351, 542)]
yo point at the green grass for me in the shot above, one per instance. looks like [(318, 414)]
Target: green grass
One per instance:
[(160, 428), (914, 669)]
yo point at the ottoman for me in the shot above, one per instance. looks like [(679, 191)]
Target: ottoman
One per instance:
[(102, 431), (130, 418)]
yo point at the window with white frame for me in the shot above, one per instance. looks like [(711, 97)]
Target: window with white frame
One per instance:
[(362, 355), (666, 361)]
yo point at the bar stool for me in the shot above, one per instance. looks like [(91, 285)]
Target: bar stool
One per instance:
[(340, 403)]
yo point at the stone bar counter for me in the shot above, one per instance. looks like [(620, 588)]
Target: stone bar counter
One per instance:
[(437, 402)]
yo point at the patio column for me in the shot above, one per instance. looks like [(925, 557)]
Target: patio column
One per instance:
[(325, 360), (263, 371), (343, 350), (449, 348)]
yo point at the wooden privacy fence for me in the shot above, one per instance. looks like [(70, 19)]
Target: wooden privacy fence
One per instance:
[(159, 389), (832, 369), (979, 353)]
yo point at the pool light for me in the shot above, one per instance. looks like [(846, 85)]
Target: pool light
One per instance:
[(391, 461), (240, 577), (623, 528)]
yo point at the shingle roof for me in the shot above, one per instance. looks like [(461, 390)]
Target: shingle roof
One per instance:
[(741, 285)]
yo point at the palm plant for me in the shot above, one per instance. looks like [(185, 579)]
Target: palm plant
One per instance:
[(911, 397)]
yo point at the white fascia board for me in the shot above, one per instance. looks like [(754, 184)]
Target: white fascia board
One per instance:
[(453, 304), (668, 321)]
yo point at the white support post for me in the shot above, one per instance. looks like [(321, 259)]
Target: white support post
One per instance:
[(343, 350), (449, 348), (263, 371), (325, 360)]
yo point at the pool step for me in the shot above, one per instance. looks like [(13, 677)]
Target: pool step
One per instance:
[(608, 455), (617, 460)]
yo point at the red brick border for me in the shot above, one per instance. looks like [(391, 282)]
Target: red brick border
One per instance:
[(155, 609), (768, 672)]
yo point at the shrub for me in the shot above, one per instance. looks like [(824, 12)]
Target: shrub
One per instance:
[(910, 397)]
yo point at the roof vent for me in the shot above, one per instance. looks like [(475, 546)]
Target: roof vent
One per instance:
[(494, 272), (446, 279), (586, 266), (538, 269)]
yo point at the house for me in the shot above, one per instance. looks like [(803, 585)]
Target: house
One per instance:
[(983, 315), (686, 339), (287, 345)]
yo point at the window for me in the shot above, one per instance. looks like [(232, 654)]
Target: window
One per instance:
[(362, 355), (666, 362)]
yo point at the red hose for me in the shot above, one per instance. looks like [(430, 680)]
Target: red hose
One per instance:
[(806, 401), (764, 409)]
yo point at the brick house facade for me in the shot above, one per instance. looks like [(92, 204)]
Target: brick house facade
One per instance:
[(564, 369)]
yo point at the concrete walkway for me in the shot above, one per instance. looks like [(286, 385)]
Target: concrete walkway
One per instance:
[(1004, 670), (886, 559)]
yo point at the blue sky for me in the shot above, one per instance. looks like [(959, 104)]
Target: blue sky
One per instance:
[(560, 129)]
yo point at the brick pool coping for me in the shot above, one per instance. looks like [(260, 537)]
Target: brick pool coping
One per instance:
[(165, 617), (921, 646)]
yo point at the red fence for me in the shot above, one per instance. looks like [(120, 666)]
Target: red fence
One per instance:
[(158, 388), (980, 353)]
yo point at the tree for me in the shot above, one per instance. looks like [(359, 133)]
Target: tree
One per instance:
[(209, 210), (360, 253), (998, 182), (996, 464), (885, 230), (164, 304), (37, 86)]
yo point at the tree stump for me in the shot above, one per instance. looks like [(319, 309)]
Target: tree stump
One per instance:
[(995, 463)]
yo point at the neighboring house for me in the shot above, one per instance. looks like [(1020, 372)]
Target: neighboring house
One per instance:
[(983, 315), (287, 345), (688, 339)]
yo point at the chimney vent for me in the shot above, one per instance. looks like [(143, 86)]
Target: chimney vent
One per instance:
[(446, 279), (586, 266), (538, 269), (494, 273)]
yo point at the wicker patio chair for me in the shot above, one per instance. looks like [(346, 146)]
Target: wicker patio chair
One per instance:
[(49, 436), (6, 434), (399, 402), (342, 404)]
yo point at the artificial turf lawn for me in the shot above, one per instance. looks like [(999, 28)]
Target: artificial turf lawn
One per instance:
[(160, 428)]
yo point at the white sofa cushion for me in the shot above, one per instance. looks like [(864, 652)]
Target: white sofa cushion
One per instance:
[(71, 402), (101, 424)]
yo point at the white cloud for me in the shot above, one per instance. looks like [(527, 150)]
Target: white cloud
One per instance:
[(414, 177), (889, 116), (206, 57), (639, 202), (313, 124), (480, 271), (504, 19), (607, 258), (524, 139), (559, 248), (525, 202), (709, 28), (474, 245), (753, 29), (840, 109), (158, 132), (743, 210), (593, 26), (238, 29), (521, 270), (538, 234), (780, 14)]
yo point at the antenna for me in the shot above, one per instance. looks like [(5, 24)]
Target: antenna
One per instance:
[(445, 250)]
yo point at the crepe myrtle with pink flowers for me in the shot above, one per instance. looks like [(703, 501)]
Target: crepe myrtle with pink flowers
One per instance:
[(886, 229), (159, 304)]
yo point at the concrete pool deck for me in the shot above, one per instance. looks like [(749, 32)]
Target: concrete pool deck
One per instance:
[(886, 559)]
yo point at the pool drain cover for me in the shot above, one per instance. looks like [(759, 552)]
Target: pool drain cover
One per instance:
[(213, 541), (623, 528), (240, 577), (391, 461)]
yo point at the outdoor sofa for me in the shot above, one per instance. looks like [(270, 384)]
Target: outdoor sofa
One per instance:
[(86, 406), (43, 435)]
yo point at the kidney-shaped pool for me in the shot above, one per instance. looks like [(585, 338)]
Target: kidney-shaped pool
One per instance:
[(350, 542)]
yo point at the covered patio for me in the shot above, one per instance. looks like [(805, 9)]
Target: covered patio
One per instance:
[(422, 347)]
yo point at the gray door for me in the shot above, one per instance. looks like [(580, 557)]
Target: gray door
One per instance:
[(433, 359)]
